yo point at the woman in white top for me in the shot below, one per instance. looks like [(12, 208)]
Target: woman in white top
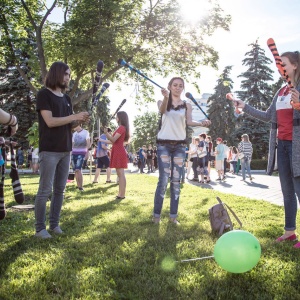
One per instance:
[(171, 143)]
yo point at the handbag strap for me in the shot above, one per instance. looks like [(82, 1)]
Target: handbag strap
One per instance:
[(236, 217), (233, 213)]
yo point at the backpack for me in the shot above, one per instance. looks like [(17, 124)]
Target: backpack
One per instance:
[(219, 218)]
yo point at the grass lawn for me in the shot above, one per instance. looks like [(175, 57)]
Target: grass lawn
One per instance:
[(112, 250)]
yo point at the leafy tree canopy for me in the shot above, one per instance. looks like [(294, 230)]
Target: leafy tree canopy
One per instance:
[(152, 35)]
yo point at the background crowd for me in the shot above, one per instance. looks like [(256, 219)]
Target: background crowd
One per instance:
[(201, 155)]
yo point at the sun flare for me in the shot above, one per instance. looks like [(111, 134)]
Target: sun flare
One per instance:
[(193, 11)]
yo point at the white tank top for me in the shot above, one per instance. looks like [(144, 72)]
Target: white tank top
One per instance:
[(173, 127)]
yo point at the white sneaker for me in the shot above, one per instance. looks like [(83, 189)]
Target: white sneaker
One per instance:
[(43, 234), (173, 220), (156, 220), (57, 230)]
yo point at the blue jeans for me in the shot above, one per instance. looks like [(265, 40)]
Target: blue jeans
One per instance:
[(290, 185), (142, 165), (245, 163), (54, 171), (234, 163), (170, 164), (183, 172)]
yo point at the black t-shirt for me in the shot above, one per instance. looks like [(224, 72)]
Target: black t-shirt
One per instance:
[(55, 139), (149, 153)]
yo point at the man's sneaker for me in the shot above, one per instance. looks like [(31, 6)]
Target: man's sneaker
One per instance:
[(174, 221), (156, 220), (43, 234), (218, 179), (223, 178), (57, 230), (80, 189)]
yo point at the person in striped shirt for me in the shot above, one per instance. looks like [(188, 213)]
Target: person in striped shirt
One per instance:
[(245, 147)]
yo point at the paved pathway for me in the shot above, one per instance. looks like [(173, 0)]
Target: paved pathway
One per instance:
[(263, 187)]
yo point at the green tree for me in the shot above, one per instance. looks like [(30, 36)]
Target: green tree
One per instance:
[(277, 85), (220, 110), (33, 135), (256, 92), (108, 29), (146, 127), (16, 98)]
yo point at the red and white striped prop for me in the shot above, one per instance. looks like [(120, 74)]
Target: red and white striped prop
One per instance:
[(272, 46)]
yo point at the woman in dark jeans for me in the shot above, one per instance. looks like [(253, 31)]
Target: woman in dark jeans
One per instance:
[(284, 116)]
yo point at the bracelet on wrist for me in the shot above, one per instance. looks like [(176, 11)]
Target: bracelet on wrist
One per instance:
[(14, 124), (10, 117), (14, 120)]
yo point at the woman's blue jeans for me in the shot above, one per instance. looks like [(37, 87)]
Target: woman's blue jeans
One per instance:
[(170, 163), (54, 171), (245, 163), (290, 185)]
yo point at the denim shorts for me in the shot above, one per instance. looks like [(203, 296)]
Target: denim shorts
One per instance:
[(77, 161)]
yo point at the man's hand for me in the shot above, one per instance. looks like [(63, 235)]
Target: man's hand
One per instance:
[(83, 117), (206, 123)]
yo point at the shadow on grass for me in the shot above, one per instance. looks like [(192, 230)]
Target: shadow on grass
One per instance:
[(17, 249)]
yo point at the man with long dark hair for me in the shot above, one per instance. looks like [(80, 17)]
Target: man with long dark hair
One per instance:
[(56, 119)]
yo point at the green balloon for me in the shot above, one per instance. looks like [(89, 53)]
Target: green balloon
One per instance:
[(237, 251)]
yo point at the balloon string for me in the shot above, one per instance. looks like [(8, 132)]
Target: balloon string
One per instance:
[(193, 259)]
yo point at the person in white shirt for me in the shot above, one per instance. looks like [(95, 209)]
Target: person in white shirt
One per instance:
[(80, 143)]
